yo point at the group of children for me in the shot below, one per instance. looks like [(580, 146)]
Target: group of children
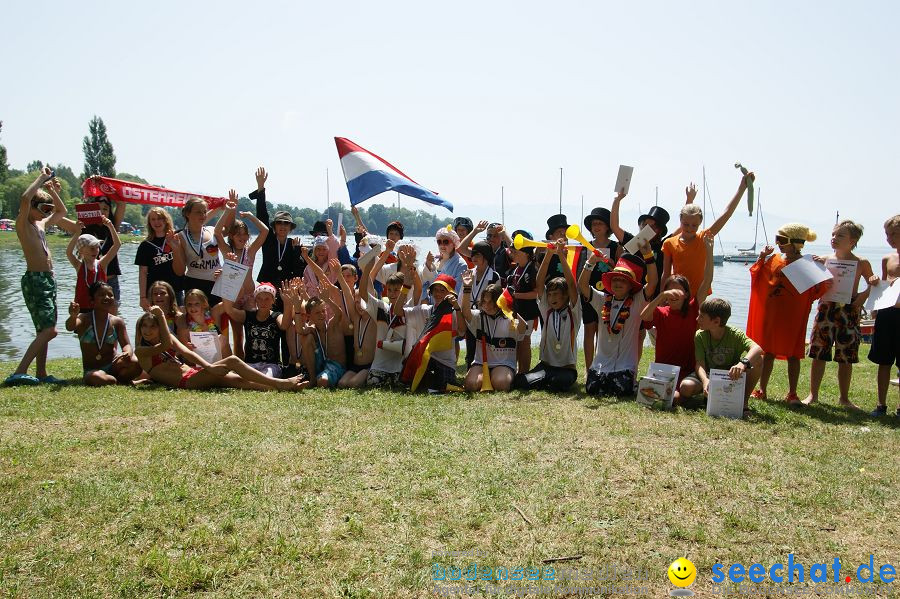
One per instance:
[(384, 315)]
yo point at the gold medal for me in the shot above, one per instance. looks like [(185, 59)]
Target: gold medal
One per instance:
[(350, 326), (279, 267), (558, 346), (99, 356), (359, 354)]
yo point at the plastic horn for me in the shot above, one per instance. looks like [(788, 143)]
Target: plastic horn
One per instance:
[(574, 232), (520, 242), (485, 371)]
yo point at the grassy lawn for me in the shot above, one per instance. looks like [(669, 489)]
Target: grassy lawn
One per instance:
[(151, 492)]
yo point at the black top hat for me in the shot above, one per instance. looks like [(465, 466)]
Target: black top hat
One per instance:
[(284, 217), (659, 215), (319, 228), (555, 222), (596, 214)]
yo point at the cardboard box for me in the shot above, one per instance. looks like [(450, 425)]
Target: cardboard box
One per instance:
[(658, 387)]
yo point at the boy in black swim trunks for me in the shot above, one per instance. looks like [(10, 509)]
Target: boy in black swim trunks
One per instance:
[(885, 349)]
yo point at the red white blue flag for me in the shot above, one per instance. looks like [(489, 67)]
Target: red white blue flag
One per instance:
[(368, 174)]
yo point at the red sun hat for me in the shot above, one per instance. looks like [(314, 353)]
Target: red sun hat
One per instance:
[(445, 281), (628, 267)]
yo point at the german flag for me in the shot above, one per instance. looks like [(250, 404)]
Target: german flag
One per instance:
[(437, 336)]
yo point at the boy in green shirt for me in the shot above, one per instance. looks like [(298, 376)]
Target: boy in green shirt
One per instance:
[(719, 346)]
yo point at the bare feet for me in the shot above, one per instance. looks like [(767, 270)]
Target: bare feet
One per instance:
[(846, 403), (292, 384), (810, 400)]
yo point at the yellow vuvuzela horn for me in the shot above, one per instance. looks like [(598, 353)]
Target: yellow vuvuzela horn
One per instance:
[(485, 371), (520, 241), (574, 232)]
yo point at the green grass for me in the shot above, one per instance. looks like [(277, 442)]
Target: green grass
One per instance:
[(150, 492)]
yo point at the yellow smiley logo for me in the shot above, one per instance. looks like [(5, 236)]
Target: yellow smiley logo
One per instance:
[(682, 572)]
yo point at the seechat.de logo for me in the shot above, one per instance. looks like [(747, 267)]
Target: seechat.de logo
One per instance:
[(795, 571)]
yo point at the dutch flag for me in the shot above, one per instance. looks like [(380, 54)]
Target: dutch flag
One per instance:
[(368, 175)]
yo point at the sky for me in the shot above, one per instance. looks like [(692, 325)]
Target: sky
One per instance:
[(470, 97)]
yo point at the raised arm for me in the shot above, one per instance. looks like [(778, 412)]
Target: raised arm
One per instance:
[(226, 220), (617, 230), (59, 209), (703, 291), (262, 211), (584, 279), (70, 253), (359, 224), (732, 205), (652, 279), (25, 203), (542, 273), (567, 272), (650, 308), (72, 320), (233, 313), (165, 338), (179, 261), (371, 268), (117, 243), (463, 248), (467, 279)]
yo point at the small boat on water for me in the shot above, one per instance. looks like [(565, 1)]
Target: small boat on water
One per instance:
[(750, 255)]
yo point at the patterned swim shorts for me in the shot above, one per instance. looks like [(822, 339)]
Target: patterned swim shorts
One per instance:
[(837, 325), (39, 291)]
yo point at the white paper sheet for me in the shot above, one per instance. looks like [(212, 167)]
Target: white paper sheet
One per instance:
[(844, 273), (207, 345), (623, 180), (883, 295), (228, 285), (646, 234), (726, 397), (805, 272)]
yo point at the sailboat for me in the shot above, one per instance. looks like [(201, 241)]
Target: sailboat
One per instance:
[(718, 259), (750, 255)]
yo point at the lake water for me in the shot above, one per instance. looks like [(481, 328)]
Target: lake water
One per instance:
[(731, 281)]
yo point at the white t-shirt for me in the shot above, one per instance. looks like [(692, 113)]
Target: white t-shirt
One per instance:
[(501, 338), (618, 352), (391, 328), (416, 318), (478, 286), (560, 327)]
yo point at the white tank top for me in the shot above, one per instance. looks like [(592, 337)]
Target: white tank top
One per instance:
[(201, 263)]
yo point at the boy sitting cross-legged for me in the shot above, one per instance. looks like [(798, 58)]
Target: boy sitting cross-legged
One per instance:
[(720, 346)]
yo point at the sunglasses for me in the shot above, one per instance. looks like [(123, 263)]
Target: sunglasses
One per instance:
[(784, 240), (444, 242)]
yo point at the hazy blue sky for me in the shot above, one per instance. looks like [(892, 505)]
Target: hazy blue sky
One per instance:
[(468, 96)]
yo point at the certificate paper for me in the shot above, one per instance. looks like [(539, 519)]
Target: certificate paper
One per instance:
[(207, 346), (805, 272), (623, 180), (883, 295), (726, 397), (844, 273), (646, 234), (228, 285)]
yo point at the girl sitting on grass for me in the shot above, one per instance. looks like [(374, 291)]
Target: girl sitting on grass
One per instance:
[(496, 336), (170, 363), (99, 331), (162, 294), (263, 328), (674, 313), (198, 317)]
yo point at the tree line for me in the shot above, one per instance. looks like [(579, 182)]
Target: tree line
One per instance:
[(100, 159)]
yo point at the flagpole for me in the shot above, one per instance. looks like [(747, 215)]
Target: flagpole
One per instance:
[(560, 190)]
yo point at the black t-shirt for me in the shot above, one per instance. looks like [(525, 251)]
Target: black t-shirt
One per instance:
[(261, 339), (502, 264), (102, 233), (291, 262), (522, 281), (157, 256)]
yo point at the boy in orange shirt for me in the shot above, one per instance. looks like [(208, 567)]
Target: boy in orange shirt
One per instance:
[(686, 254)]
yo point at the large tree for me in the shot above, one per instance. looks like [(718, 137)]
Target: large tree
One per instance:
[(99, 158)]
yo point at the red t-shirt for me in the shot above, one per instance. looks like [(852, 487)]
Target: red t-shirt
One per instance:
[(675, 337), (86, 276)]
